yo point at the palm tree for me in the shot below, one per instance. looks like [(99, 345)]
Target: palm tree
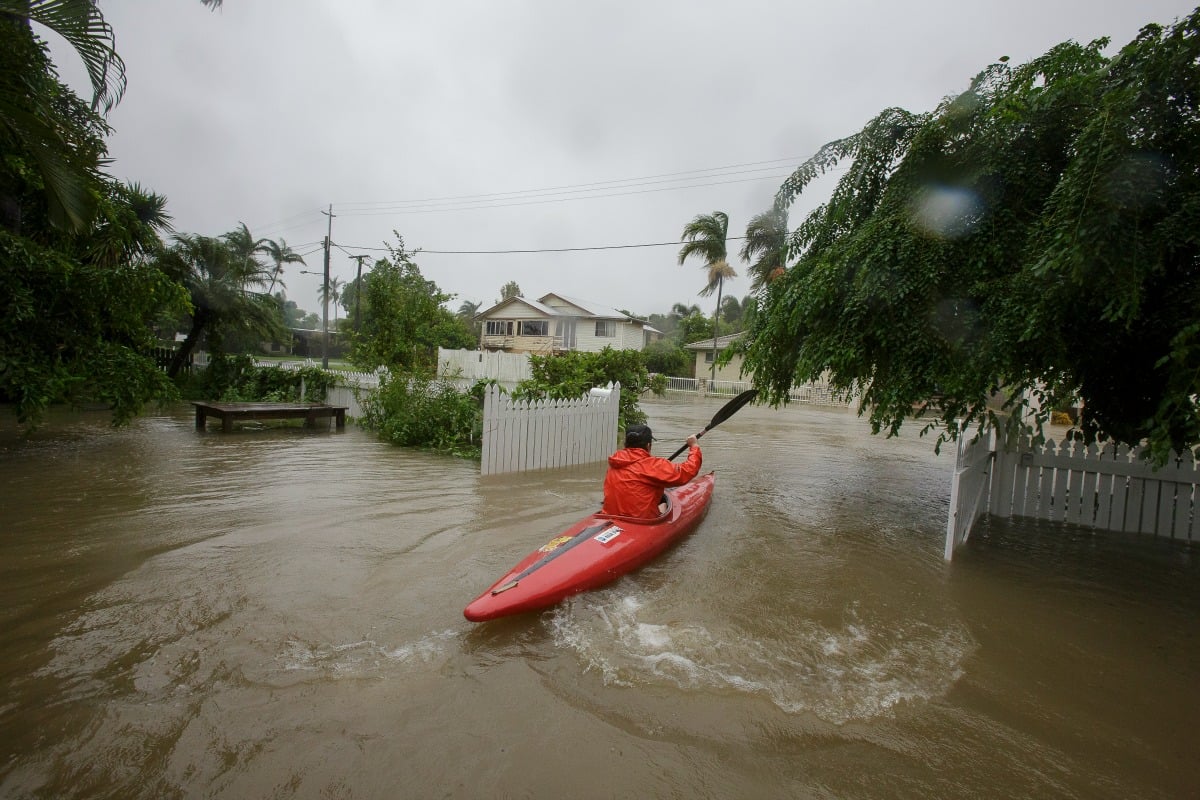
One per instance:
[(468, 310), (766, 246), (705, 236), (280, 252), (215, 277), (331, 296), (129, 226), (682, 310), (245, 249)]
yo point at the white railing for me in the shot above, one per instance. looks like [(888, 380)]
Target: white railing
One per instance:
[(1105, 488), (519, 435), (682, 384)]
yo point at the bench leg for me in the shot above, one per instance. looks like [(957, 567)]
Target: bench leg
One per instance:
[(200, 419), (341, 420), (227, 423)]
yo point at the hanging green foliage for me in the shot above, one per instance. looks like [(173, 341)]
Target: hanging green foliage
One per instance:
[(1038, 233)]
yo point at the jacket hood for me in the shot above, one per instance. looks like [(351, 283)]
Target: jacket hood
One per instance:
[(627, 456)]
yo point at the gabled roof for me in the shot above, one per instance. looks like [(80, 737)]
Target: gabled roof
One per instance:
[(534, 304), (722, 342), (589, 308), (586, 308)]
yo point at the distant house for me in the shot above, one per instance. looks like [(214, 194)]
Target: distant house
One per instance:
[(704, 358), (556, 324), (307, 343)]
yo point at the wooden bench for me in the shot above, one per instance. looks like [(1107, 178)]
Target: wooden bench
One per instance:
[(229, 413)]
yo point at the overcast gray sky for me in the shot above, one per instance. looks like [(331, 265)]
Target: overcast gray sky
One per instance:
[(268, 111)]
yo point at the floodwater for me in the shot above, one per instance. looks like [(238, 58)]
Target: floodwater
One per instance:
[(276, 613)]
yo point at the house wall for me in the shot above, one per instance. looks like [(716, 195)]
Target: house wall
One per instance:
[(516, 343), (589, 342), (521, 344), (628, 335), (728, 372), (631, 336)]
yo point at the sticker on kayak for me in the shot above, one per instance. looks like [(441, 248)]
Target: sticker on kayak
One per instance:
[(608, 535), (554, 544)]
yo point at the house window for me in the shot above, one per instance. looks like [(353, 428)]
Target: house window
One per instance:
[(606, 327), (535, 327), (708, 356), (499, 327)]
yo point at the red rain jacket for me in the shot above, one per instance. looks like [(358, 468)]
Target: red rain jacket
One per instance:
[(635, 481)]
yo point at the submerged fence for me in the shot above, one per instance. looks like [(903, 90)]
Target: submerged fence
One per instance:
[(349, 390), (814, 393), (1104, 488), (519, 435)]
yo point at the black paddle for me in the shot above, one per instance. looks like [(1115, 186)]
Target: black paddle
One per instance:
[(727, 411)]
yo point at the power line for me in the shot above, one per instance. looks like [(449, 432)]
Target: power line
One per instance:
[(576, 186), (288, 219), (554, 200), (541, 250)]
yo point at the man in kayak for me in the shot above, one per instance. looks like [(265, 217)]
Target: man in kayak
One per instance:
[(635, 481)]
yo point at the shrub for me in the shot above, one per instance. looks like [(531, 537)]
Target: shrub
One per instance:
[(415, 411), (667, 358), (570, 375), (236, 378)]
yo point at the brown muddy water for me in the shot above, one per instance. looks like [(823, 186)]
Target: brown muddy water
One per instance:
[(276, 613)]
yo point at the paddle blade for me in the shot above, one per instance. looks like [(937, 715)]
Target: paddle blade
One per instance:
[(727, 411), (732, 407)]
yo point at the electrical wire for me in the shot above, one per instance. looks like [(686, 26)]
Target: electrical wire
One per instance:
[(578, 186), (541, 250), (503, 204)]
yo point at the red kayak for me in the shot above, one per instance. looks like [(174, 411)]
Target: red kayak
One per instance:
[(594, 551)]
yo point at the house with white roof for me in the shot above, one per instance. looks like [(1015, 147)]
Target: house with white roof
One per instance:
[(703, 350), (555, 323)]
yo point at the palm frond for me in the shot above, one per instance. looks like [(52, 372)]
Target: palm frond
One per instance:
[(766, 246), (718, 273), (69, 202), (82, 24), (705, 236)]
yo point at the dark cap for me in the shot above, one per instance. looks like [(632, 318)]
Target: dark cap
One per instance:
[(638, 436)]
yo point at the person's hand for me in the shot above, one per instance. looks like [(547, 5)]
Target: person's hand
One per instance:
[(692, 441)]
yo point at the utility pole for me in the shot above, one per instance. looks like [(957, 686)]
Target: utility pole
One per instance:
[(325, 304), (358, 292)]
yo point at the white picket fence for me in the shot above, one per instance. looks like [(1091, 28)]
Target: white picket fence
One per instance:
[(1105, 488), (473, 365), (969, 487), (519, 435)]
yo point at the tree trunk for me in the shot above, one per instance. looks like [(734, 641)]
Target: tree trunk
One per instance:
[(185, 348), (716, 324)]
